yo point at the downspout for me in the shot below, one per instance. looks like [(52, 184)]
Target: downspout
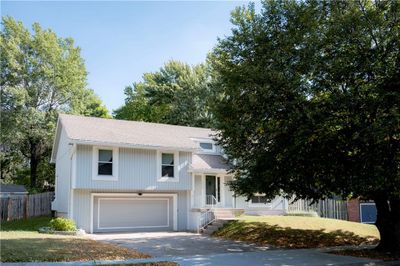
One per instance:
[(71, 181)]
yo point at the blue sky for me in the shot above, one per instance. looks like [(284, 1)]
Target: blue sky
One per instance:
[(122, 40)]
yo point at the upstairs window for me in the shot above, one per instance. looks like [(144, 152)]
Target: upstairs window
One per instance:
[(105, 162), (167, 165), (206, 146)]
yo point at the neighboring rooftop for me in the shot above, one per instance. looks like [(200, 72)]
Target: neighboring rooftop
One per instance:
[(122, 132), (6, 188)]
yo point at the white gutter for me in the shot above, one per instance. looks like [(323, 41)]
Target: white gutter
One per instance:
[(207, 171), (128, 145)]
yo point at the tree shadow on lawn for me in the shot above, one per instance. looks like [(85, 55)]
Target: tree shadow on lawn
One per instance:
[(63, 249), (273, 235)]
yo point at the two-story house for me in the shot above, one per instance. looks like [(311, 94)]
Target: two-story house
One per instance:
[(115, 175)]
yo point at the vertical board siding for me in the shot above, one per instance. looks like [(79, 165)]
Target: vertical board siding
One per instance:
[(63, 173), (228, 192), (81, 209), (137, 170), (198, 192), (182, 210)]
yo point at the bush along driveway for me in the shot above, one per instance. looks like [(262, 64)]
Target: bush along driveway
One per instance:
[(21, 242)]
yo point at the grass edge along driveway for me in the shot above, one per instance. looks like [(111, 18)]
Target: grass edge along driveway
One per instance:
[(298, 232), (20, 242)]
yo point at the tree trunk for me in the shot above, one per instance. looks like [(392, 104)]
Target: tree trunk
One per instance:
[(388, 223), (33, 164), (395, 208)]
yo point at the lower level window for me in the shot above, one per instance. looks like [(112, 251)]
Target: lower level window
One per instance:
[(259, 200)]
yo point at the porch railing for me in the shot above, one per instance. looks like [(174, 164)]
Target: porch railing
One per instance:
[(211, 200), (207, 217)]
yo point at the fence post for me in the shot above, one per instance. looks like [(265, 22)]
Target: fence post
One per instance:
[(9, 209), (26, 210)]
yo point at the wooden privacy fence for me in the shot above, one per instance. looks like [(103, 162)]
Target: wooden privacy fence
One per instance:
[(328, 208), (24, 206)]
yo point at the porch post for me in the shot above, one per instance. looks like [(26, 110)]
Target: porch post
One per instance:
[(222, 190), (192, 191), (203, 190)]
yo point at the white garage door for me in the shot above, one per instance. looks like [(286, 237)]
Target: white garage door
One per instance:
[(132, 214)]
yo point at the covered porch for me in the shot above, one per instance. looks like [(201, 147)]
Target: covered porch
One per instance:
[(210, 179)]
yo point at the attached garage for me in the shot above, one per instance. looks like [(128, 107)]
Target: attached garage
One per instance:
[(133, 212)]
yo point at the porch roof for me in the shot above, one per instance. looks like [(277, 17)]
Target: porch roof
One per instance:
[(209, 163)]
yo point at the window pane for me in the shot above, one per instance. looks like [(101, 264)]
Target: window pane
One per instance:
[(255, 199), (206, 146), (105, 155), (105, 169), (259, 199), (264, 199), (168, 158), (167, 171)]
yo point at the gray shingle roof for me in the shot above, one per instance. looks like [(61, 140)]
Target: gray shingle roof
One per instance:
[(12, 188), (122, 132), (209, 162)]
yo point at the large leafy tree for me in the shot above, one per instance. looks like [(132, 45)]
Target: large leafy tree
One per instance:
[(41, 75), (309, 102), (176, 94)]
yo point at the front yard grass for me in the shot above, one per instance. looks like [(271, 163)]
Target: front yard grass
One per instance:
[(298, 232), (20, 242)]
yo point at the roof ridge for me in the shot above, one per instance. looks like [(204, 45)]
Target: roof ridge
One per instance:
[(131, 121)]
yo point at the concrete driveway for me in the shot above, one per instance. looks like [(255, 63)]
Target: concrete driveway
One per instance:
[(193, 249), (176, 244)]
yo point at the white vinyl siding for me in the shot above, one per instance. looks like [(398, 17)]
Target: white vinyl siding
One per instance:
[(137, 169), (63, 176)]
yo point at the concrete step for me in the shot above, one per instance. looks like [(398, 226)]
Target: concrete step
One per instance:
[(219, 222), (209, 231), (224, 216), (211, 228)]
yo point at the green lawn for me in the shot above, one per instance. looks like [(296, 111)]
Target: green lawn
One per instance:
[(298, 232), (20, 242)]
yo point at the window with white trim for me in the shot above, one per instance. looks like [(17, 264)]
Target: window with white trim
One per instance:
[(167, 165), (206, 146), (105, 163)]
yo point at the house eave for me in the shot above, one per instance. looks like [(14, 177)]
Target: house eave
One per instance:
[(207, 171), (129, 145), (55, 142)]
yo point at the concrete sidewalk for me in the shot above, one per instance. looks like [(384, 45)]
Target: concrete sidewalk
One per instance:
[(270, 258)]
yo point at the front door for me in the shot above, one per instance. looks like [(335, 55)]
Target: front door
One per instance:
[(213, 190)]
